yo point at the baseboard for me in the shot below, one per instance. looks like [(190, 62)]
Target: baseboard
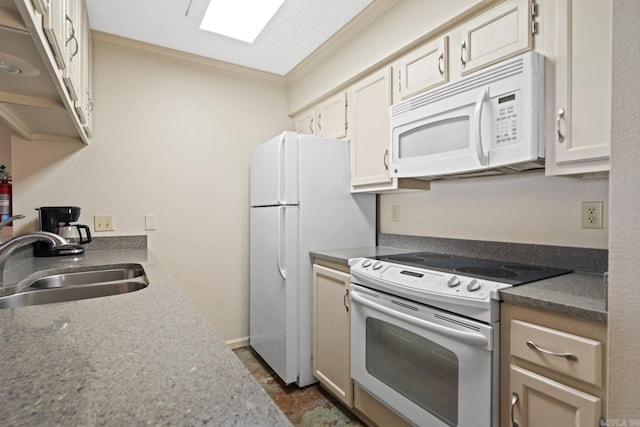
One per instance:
[(238, 342)]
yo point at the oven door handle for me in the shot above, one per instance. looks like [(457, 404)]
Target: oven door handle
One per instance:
[(468, 337)]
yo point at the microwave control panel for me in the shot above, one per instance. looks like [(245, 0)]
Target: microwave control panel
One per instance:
[(508, 120)]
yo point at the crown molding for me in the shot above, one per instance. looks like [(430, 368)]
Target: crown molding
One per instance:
[(188, 58), (368, 15)]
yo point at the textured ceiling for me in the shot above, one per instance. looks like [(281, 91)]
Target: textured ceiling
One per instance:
[(297, 29)]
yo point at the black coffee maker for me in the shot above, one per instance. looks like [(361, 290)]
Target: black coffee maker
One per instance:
[(59, 219)]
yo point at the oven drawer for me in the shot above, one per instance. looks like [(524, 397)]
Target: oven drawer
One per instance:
[(571, 355)]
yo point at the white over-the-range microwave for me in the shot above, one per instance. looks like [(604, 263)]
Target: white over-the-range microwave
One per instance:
[(490, 122)]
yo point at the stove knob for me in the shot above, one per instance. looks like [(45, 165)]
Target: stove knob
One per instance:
[(377, 265), (366, 263), (473, 285), (453, 282)]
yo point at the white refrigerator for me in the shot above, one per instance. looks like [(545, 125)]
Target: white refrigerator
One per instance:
[(300, 201)]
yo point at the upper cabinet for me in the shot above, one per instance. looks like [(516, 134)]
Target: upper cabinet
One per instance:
[(577, 45), (328, 118), (420, 70), (368, 134), (500, 32), (503, 31), (51, 41)]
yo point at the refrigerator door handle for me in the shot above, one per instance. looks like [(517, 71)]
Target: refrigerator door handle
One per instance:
[(281, 170), (281, 243)]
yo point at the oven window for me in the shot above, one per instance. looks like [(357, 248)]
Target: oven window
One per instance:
[(419, 369), (435, 138)]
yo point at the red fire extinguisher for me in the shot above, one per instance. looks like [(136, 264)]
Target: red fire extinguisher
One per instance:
[(5, 194)]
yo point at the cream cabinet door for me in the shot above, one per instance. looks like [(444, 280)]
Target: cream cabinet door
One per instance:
[(331, 117), (328, 118), (331, 332), (579, 124), (537, 401), (368, 132), (72, 74), (54, 24), (305, 122), (420, 70), (501, 32), (84, 104)]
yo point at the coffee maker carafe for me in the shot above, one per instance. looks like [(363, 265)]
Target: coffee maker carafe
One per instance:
[(59, 219)]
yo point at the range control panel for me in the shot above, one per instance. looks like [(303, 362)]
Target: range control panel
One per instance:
[(414, 282)]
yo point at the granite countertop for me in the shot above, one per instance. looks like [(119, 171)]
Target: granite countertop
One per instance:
[(144, 358), (342, 256), (579, 295)]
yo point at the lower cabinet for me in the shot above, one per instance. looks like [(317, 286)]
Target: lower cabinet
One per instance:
[(331, 345), (552, 369), (331, 332), (537, 400)]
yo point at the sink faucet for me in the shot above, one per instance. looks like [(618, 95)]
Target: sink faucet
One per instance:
[(10, 219), (7, 248)]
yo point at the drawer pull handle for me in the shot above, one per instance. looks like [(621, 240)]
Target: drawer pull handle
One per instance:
[(568, 356)]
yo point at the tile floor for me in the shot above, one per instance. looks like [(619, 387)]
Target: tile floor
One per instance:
[(308, 406)]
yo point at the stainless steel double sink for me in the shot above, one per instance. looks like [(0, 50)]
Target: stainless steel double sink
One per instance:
[(78, 285)]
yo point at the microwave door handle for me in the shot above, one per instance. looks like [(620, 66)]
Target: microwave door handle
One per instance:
[(468, 337), (481, 152)]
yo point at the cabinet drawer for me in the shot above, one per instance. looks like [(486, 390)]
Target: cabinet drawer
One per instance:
[(573, 355)]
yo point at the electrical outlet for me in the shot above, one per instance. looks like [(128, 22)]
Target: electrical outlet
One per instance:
[(591, 214), (395, 213), (103, 223)]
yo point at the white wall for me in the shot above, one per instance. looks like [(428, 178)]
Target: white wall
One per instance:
[(171, 139), (518, 208), (624, 268)]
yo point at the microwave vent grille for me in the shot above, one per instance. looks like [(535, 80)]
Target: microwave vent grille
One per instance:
[(478, 79)]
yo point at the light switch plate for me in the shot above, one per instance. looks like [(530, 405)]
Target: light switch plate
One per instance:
[(150, 222)]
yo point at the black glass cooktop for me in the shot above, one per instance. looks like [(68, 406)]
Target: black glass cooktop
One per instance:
[(498, 271)]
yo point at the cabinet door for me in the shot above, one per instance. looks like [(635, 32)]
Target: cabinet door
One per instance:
[(368, 131), (422, 69), (72, 74), (41, 6), (305, 122), (503, 31), (537, 401), (55, 28), (331, 117), (580, 124), (84, 105), (331, 332)]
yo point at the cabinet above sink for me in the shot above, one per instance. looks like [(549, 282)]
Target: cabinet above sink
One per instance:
[(47, 96)]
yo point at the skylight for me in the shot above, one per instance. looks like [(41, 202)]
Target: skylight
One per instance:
[(239, 19)]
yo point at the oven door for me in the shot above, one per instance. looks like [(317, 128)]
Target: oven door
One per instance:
[(431, 367)]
